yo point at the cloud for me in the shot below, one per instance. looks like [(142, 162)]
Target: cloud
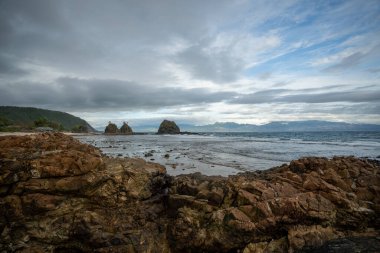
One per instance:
[(143, 55), (103, 94), (203, 65), (374, 70), (347, 62), (223, 59), (113, 39), (308, 96), (352, 53), (266, 75), (9, 68)]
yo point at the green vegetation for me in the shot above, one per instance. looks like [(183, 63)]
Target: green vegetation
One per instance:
[(4, 122), (80, 129), (27, 118), (44, 122)]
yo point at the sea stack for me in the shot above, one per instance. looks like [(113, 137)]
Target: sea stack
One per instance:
[(125, 129), (111, 128), (168, 127)]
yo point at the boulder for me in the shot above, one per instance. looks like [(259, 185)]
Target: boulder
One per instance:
[(111, 128), (168, 127), (126, 129), (292, 208), (59, 195)]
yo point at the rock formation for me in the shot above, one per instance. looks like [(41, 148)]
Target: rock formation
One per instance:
[(288, 209), (168, 127), (125, 129), (111, 128), (59, 195)]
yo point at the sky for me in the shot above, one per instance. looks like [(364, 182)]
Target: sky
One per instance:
[(198, 62)]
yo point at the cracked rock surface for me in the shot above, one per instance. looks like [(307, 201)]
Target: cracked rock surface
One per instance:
[(59, 195)]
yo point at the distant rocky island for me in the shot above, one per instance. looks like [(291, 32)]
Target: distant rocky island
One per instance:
[(168, 127), (125, 129), (60, 195)]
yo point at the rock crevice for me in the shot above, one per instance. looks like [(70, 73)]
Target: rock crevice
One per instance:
[(59, 195)]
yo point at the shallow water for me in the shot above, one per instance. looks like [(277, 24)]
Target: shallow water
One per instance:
[(231, 153)]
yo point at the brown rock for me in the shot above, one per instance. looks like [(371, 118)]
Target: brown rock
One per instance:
[(309, 236), (126, 129), (59, 195), (168, 127), (295, 207), (63, 196), (111, 128)]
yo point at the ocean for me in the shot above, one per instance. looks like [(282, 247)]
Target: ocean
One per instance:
[(230, 153)]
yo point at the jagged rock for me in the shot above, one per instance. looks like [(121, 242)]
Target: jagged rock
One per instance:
[(168, 127), (59, 195), (291, 208), (111, 128), (125, 129)]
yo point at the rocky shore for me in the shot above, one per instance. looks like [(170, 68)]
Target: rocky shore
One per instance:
[(59, 195)]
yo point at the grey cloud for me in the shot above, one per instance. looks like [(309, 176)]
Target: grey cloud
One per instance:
[(374, 70), (337, 109), (265, 75), (304, 96), (354, 59), (127, 39), (8, 67), (348, 96), (92, 94), (260, 97), (218, 67), (349, 61), (104, 42), (103, 37)]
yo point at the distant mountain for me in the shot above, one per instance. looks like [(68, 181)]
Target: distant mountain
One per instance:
[(17, 118), (281, 126)]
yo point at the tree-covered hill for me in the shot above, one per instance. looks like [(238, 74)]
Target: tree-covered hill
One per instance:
[(19, 118)]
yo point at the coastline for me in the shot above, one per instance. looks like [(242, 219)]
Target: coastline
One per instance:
[(58, 194), (221, 154)]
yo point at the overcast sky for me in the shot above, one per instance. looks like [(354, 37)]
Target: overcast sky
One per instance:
[(193, 61)]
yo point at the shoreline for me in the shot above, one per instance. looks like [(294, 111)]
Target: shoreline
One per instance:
[(227, 155)]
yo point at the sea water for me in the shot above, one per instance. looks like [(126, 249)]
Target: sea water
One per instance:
[(231, 153)]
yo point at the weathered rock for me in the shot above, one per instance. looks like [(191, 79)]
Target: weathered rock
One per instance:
[(111, 128), (168, 127), (347, 245), (287, 209), (64, 196), (126, 129), (59, 195)]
